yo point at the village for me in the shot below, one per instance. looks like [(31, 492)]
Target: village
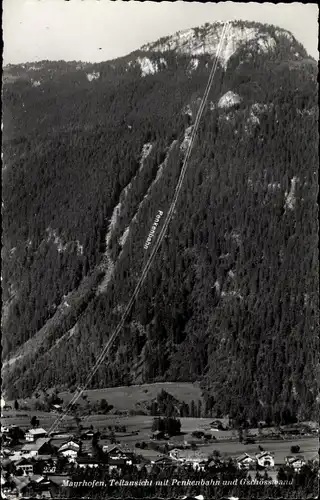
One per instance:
[(39, 464)]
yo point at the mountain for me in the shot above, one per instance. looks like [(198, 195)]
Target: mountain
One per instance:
[(91, 158)]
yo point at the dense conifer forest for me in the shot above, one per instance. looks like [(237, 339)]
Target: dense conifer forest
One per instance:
[(232, 297)]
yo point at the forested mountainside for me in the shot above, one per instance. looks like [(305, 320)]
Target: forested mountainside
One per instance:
[(92, 153)]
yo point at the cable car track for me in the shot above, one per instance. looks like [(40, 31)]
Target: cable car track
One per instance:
[(158, 242)]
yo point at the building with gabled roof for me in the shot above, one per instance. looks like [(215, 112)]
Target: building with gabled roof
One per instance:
[(39, 447), (69, 450), (69, 445), (87, 462), (25, 465), (296, 462), (265, 459), (33, 434), (244, 461), (163, 462)]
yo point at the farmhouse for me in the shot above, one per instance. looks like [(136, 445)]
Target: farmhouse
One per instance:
[(163, 462), (68, 443), (34, 434), (117, 453), (69, 450), (215, 463), (188, 457), (25, 466), (265, 459), (295, 462), (40, 447), (244, 461), (87, 462)]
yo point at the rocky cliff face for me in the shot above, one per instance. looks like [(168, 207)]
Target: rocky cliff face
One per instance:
[(234, 286), (256, 38)]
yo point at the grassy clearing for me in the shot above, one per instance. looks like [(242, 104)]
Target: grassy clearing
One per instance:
[(135, 397), (22, 419)]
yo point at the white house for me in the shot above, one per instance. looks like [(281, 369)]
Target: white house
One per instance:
[(295, 462), (244, 461), (265, 459), (34, 434), (69, 450), (188, 457)]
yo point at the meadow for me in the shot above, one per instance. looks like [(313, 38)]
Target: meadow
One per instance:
[(138, 397)]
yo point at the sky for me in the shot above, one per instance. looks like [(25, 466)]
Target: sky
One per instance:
[(100, 30)]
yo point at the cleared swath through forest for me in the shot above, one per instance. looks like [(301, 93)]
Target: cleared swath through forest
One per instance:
[(158, 242)]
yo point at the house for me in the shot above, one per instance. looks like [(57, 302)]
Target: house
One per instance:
[(198, 464), (163, 462), (69, 450), (244, 461), (186, 456), (118, 458), (56, 408), (68, 443), (25, 466), (34, 434), (265, 459), (215, 463), (157, 435), (117, 453), (40, 447), (87, 463), (295, 462)]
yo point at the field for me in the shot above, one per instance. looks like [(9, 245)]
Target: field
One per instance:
[(137, 397)]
